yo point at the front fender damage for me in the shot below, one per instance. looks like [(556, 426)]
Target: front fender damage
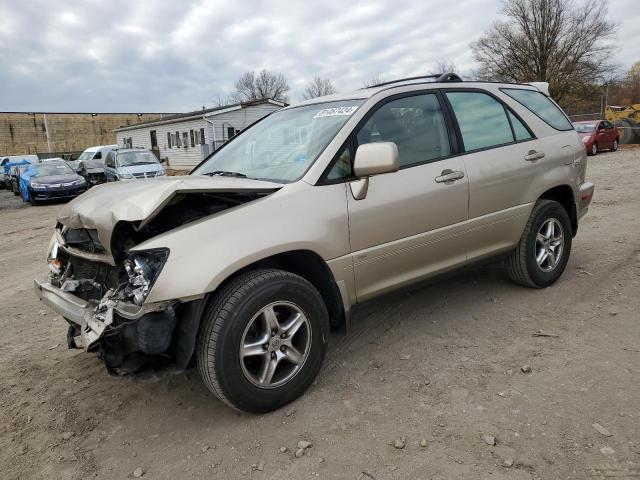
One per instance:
[(140, 341), (99, 286)]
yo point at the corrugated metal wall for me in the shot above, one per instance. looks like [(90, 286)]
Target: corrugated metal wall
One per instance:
[(25, 133)]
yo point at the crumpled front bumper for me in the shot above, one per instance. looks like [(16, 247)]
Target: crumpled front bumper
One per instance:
[(85, 315), (69, 306)]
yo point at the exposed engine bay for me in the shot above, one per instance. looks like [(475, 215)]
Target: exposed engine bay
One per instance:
[(129, 335)]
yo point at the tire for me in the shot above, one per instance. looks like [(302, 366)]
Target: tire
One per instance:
[(32, 200), (594, 150), (626, 130), (227, 323), (522, 265), (614, 145)]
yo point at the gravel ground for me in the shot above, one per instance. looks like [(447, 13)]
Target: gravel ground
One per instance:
[(416, 390)]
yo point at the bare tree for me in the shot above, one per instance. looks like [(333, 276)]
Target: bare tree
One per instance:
[(221, 101), (319, 87), (375, 80), (443, 66), (263, 85), (551, 41), (632, 84)]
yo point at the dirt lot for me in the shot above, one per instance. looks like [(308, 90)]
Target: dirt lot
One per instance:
[(441, 362)]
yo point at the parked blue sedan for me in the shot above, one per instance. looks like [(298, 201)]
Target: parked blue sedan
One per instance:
[(50, 181)]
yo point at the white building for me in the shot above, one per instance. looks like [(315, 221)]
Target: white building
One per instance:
[(186, 139)]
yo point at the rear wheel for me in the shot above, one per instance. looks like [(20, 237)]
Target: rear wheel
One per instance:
[(544, 248), (614, 145), (262, 340)]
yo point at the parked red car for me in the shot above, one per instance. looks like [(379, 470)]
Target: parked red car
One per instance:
[(598, 135)]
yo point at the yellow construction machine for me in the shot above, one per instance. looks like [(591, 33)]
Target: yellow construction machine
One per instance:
[(627, 119)]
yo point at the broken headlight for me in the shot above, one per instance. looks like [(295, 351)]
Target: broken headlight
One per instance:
[(53, 258), (142, 269)]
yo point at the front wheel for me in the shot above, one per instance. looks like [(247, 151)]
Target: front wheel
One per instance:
[(262, 340), (594, 149), (544, 248), (32, 200)]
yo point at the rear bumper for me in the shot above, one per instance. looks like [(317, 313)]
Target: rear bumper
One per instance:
[(585, 194)]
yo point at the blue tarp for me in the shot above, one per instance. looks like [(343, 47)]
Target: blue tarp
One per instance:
[(8, 165), (24, 182)]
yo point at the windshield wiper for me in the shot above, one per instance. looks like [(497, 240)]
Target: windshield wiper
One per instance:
[(225, 173)]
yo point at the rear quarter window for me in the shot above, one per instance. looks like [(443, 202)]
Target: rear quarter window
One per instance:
[(541, 106)]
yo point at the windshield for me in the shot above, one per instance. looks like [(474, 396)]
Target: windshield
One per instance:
[(584, 127), (126, 159), (283, 145), (86, 155), (46, 170)]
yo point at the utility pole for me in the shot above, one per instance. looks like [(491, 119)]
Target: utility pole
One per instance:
[(46, 131)]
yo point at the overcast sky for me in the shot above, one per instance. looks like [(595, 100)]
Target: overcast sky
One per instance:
[(172, 56)]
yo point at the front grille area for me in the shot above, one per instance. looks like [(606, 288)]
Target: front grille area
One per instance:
[(145, 175), (94, 278)]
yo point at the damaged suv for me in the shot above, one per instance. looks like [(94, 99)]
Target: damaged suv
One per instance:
[(246, 265)]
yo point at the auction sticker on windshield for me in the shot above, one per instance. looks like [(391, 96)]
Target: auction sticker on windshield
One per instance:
[(332, 112)]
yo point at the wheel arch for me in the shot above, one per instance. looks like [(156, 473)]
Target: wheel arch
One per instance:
[(305, 263), (564, 195), (310, 266)]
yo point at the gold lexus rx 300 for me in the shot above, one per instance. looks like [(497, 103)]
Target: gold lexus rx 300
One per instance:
[(245, 266)]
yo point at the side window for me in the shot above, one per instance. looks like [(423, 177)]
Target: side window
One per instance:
[(482, 120), (110, 162), (415, 124), (540, 105), (97, 156), (519, 130), (342, 167)]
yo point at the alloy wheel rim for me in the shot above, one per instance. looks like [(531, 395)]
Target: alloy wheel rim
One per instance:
[(549, 245), (275, 344), (594, 149)]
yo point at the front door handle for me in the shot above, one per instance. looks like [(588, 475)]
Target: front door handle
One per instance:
[(532, 156), (449, 176)]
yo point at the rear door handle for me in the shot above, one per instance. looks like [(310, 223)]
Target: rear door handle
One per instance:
[(449, 176), (532, 156)]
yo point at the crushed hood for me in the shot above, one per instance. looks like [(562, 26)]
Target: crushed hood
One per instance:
[(103, 206)]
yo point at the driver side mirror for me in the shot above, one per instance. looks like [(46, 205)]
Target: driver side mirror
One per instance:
[(373, 159), (376, 158)]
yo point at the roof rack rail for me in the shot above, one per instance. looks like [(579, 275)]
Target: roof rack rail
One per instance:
[(438, 78)]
